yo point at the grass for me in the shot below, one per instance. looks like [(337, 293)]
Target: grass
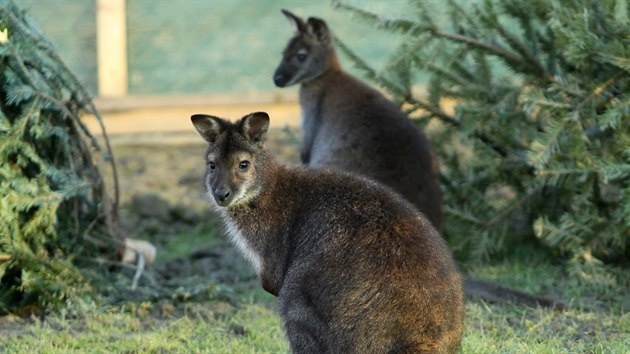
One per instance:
[(598, 320), (211, 327)]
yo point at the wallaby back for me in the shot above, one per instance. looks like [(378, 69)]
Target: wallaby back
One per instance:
[(351, 126), (356, 268)]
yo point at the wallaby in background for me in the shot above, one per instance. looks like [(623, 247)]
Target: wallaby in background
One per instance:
[(356, 268), (350, 126)]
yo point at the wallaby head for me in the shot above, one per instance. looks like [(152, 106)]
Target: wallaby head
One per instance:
[(234, 157), (309, 54)]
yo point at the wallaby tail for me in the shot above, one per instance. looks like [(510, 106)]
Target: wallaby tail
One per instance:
[(495, 293)]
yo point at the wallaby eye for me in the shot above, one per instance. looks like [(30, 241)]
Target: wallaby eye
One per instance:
[(301, 57), (211, 165), (243, 165)]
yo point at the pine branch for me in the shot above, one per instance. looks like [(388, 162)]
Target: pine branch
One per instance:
[(520, 48), (546, 145), (620, 62), (86, 102), (406, 26), (468, 217), (458, 11), (368, 71), (52, 184), (433, 110), (506, 212)]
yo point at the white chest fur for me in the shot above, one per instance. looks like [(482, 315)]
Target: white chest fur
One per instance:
[(236, 236), (241, 242)]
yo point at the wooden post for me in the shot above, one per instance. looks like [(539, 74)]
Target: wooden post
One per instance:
[(111, 37)]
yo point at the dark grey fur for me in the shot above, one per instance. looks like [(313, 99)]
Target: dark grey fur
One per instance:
[(352, 127)]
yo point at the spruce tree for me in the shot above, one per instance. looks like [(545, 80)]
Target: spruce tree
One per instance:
[(537, 150), (55, 211)]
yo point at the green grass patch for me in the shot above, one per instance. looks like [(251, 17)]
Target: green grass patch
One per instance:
[(597, 321), (196, 328)]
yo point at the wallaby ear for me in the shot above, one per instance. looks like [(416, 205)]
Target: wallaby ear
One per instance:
[(295, 21), (318, 28), (209, 127), (254, 127)]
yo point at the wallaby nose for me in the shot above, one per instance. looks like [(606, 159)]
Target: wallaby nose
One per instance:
[(279, 79), (222, 194)]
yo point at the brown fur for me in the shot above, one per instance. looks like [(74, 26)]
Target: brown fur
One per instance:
[(356, 268)]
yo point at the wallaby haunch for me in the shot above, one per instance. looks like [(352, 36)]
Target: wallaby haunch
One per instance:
[(352, 127), (356, 268)]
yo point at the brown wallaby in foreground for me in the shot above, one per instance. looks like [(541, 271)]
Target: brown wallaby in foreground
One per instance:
[(350, 126), (356, 268)]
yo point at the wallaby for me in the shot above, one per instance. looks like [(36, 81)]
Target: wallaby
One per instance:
[(355, 267), (350, 126)]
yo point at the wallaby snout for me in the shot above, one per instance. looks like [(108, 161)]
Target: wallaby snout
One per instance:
[(280, 78), (219, 185), (296, 66), (222, 195)]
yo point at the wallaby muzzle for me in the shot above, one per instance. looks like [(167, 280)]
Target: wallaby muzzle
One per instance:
[(280, 78), (221, 190), (222, 195)]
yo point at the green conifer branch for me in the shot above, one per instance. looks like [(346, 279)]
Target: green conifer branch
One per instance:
[(406, 26), (55, 195), (85, 102)]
